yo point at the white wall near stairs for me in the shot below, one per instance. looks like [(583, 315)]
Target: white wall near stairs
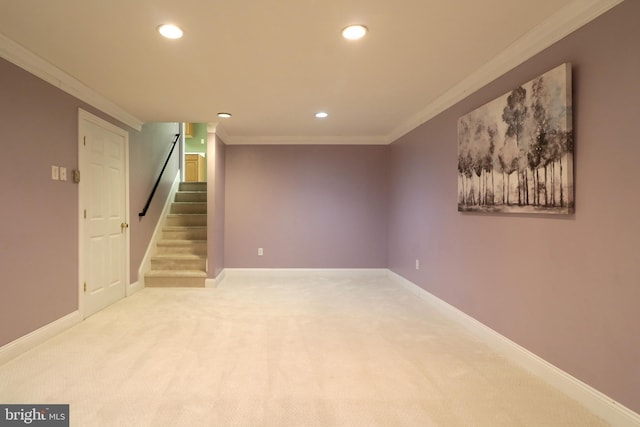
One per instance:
[(145, 266)]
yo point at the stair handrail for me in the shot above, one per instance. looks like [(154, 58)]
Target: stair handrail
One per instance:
[(155, 187)]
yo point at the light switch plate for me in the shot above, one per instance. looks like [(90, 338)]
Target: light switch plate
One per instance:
[(63, 174), (55, 173)]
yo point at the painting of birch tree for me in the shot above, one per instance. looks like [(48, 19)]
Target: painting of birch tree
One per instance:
[(515, 153)]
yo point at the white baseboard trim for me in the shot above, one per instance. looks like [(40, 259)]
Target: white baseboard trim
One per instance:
[(215, 282), (600, 404), (134, 287), (289, 272), (145, 265), (26, 342), (221, 276)]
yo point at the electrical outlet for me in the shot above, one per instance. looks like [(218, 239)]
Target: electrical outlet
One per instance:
[(260, 251), (55, 173), (417, 264), (63, 174)]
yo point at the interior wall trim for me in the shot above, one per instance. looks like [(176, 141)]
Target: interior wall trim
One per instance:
[(216, 281), (289, 272), (570, 18), (600, 404), (32, 63), (573, 16), (305, 140), (218, 130), (26, 342)]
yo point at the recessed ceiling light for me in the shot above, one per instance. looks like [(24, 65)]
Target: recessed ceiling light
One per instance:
[(170, 31), (224, 115), (354, 32), (321, 114)]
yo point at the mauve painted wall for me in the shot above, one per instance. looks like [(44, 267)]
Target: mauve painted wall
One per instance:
[(307, 206), (39, 217), (215, 204), (566, 288)]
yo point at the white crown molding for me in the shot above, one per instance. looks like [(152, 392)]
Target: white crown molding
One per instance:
[(212, 126), (561, 24), (296, 272), (30, 62), (564, 22), (222, 133), (306, 140), (218, 129), (558, 26)]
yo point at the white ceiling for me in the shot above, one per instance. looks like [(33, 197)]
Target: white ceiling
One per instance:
[(274, 63)]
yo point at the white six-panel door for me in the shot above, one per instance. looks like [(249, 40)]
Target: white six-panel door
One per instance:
[(103, 150)]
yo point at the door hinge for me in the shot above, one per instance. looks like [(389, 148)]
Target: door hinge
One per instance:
[(84, 141), (85, 214), (85, 286)]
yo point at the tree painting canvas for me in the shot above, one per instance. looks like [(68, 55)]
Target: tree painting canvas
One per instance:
[(515, 153)]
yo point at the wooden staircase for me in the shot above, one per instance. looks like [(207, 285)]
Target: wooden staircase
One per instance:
[(181, 254)]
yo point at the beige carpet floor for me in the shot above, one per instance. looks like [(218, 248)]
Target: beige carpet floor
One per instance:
[(296, 350)]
